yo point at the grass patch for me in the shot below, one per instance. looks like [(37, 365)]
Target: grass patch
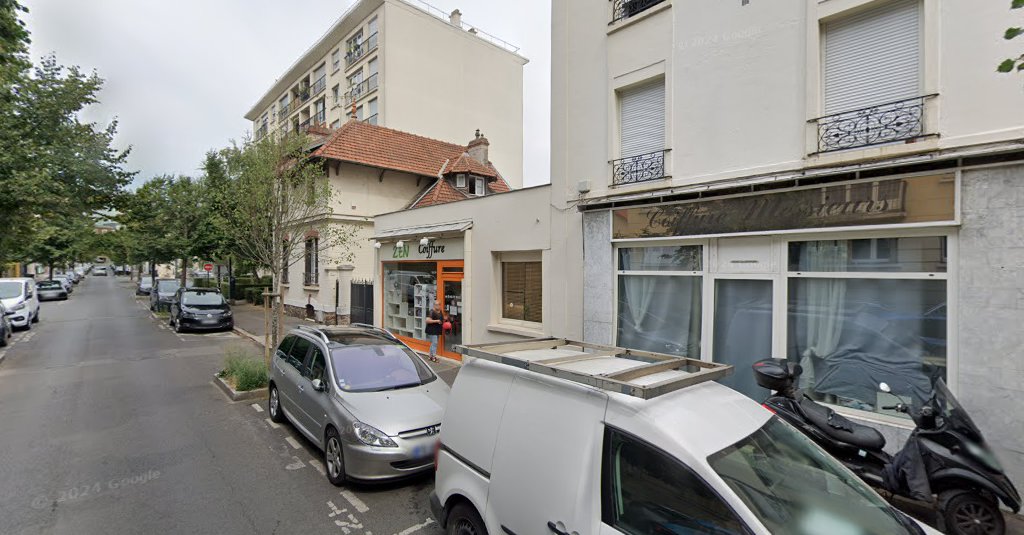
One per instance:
[(244, 371)]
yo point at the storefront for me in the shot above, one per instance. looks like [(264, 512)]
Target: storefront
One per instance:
[(854, 280), (418, 273)]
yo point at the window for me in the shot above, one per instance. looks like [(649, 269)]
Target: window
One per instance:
[(410, 289), (521, 291), (460, 180), (477, 186), (297, 354), (285, 346), (371, 27), (372, 66), (372, 112), (872, 57), (866, 311), (359, 113), (317, 364), (376, 365), (312, 271), (659, 299), (336, 124), (336, 95), (335, 60), (645, 491), (352, 45), (642, 119)]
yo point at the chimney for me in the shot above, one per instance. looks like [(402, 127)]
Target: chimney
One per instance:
[(456, 18), (477, 148)]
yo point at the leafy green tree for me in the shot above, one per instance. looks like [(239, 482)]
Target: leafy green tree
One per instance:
[(1017, 63)]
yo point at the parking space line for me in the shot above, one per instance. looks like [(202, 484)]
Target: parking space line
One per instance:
[(257, 407), (417, 527), (295, 465), (318, 466), (291, 441), (271, 423), (355, 501)]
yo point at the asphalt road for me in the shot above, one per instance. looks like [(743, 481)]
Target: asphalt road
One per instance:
[(109, 423)]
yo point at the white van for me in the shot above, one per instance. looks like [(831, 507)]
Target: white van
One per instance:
[(561, 437), (19, 298)]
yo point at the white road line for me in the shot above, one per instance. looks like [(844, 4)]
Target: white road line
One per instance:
[(318, 466), (355, 501), (417, 527), (295, 465), (257, 407), (271, 423), (292, 442)]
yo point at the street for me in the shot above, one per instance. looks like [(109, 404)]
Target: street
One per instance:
[(112, 425)]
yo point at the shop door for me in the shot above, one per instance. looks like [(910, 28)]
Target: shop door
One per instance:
[(743, 330), (450, 296)]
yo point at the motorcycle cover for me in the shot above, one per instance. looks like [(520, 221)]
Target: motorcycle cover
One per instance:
[(908, 475)]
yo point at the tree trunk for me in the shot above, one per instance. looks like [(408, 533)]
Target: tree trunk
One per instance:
[(184, 273), (51, 270)]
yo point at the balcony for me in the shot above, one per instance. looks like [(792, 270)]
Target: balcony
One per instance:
[(318, 119), (901, 120), (310, 279), (371, 119), (361, 89), (318, 86), (361, 50), (623, 9), (261, 133), (639, 168), (282, 114)]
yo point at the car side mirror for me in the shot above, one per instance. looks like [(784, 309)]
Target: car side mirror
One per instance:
[(318, 385)]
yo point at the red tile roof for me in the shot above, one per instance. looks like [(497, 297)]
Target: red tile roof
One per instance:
[(441, 191), (468, 164), (376, 146)]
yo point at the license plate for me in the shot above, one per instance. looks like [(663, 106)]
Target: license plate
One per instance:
[(210, 321), (421, 451)]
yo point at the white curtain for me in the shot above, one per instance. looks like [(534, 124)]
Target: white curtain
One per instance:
[(825, 300), (639, 289)]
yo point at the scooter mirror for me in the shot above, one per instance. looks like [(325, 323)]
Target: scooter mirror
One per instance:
[(884, 387)]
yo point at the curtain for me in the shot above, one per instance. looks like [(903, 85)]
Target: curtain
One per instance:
[(825, 301), (639, 289)]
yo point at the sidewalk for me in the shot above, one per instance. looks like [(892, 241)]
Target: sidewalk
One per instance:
[(249, 323)]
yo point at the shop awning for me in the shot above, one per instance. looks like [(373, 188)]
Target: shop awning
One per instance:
[(423, 231)]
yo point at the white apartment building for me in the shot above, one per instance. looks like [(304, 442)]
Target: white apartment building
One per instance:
[(838, 182), (407, 66)]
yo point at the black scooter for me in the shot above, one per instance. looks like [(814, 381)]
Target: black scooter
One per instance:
[(945, 464)]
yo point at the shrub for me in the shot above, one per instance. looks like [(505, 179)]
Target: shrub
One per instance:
[(247, 372)]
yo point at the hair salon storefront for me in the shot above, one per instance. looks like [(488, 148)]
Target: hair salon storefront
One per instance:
[(417, 274), (854, 280)]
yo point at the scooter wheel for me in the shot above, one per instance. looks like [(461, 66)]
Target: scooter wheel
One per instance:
[(971, 513)]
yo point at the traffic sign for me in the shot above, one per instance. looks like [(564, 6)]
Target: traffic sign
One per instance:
[(208, 267)]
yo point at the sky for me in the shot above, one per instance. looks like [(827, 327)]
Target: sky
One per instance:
[(180, 74)]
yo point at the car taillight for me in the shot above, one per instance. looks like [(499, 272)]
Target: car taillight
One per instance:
[(771, 410)]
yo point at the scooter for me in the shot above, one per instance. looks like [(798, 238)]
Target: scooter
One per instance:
[(945, 465)]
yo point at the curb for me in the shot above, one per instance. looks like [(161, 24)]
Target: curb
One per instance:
[(234, 395), (246, 334)]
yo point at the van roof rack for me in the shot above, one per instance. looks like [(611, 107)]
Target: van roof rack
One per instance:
[(530, 355)]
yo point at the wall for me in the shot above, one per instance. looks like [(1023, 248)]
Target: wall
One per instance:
[(440, 81), (524, 211)]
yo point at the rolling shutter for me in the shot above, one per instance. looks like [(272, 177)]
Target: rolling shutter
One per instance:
[(873, 57), (642, 119)]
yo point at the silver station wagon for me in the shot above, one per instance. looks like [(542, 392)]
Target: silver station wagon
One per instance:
[(370, 403)]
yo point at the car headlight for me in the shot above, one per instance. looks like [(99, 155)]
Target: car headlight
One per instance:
[(227, 314), (19, 306), (372, 436)]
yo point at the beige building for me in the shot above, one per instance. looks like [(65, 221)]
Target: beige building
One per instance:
[(835, 182), (408, 66)]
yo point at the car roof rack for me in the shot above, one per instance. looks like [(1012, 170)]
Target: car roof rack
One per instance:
[(375, 328), (550, 356), (314, 330)]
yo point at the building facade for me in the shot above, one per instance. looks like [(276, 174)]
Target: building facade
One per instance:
[(838, 182), (404, 65)]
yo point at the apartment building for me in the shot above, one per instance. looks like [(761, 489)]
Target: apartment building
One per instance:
[(408, 66), (837, 182)]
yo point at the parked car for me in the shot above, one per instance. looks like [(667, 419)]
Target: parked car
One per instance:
[(145, 286), (596, 441), (200, 309), (51, 290), (99, 271), (370, 403), (19, 298), (6, 331), (162, 294)]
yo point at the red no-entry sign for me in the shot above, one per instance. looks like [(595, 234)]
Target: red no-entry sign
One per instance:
[(208, 267)]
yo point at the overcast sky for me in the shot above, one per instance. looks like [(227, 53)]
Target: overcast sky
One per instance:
[(181, 73)]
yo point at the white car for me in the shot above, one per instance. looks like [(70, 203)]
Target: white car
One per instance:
[(569, 438), (19, 299)]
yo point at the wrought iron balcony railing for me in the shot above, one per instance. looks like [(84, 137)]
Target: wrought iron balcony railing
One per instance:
[(261, 133), (885, 123), (318, 86), (371, 119), (623, 9), (282, 114), (361, 50), (304, 125), (362, 88), (310, 279), (639, 168)]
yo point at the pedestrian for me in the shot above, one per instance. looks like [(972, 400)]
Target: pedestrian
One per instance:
[(434, 321)]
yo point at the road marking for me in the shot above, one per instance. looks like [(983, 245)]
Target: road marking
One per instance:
[(271, 423), (257, 407), (417, 527), (295, 465), (355, 501), (291, 441), (318, 466)]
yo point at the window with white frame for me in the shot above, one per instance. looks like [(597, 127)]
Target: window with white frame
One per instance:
[(853, 324), (311, 274), (335, 60), (460, 180), (336, 95), (479, 187), (371, 116), (659, 298), (522, 288)]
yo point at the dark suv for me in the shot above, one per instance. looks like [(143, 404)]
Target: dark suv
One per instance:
[(200, 309)]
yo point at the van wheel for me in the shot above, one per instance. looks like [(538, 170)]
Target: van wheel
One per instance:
[(334, 458), (969, 513), (464, 520)]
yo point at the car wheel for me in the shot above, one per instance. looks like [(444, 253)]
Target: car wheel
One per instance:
[(274, 406), (334, 458), (3, 339), (177, 327), (464, 520), (35, 319), (969, 513)]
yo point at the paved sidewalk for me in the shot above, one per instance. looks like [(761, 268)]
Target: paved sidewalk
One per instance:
[(249, 323)]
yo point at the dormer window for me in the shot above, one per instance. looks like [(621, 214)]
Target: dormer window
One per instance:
[(460, 180), (477, 187)]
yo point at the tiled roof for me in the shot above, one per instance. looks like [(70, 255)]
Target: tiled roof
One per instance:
[(377, 146), (468, 164), (440, 192)]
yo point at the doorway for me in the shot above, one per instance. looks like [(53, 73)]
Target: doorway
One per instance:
[(449, 296)]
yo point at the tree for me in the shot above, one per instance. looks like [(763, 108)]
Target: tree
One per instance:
[(1013, 64), (278, 196)]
